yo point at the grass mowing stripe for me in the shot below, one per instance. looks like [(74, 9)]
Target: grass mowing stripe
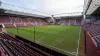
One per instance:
[(65, 40), (50, 34), (69, 42)]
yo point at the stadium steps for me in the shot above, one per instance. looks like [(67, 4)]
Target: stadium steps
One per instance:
[(5, 49), (19, 48)]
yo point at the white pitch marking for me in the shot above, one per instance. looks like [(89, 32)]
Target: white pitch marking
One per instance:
[(49, 35), (78, 42), (61, 49)]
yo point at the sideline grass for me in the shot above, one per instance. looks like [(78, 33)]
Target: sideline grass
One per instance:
[(62, 37)]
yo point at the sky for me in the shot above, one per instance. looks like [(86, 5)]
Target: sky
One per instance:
[(50, 6)]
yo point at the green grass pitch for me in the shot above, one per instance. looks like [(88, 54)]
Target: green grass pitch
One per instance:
[(61, 38)]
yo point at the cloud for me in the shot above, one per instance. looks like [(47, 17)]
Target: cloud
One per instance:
[(50, 6), (63, 6)]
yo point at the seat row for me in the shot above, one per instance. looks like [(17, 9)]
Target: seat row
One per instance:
[(3, 52), (69, 22), (18, 21), (18, 47), (94, 29)]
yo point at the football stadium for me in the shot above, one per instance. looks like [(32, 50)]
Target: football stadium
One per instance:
[(53, 29)]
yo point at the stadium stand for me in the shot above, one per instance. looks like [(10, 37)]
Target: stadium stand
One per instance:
[(78, 22), (9, 25), (18, 47), (14, 46), (69, 22), (3, 52), (4, 19), (72, 22), (93, 28), (19, 21)]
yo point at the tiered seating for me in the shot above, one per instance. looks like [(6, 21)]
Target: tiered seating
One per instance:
[(43, 22), (94, 29), (66, 22), (4, 20), (78, 22), (18, 47), (61, 22), (17, 21), (32, 21), (9, 25), (39, 22), (69, 22), (36, 22), (26, 22), (97, 41), (3, 52), (96, 22), (72, 22)]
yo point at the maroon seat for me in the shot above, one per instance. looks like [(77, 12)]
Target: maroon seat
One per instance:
[(72, 22), (3, 52), (18, 21), (9, 25), (18, 48), (5, 19), (78, 22)]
